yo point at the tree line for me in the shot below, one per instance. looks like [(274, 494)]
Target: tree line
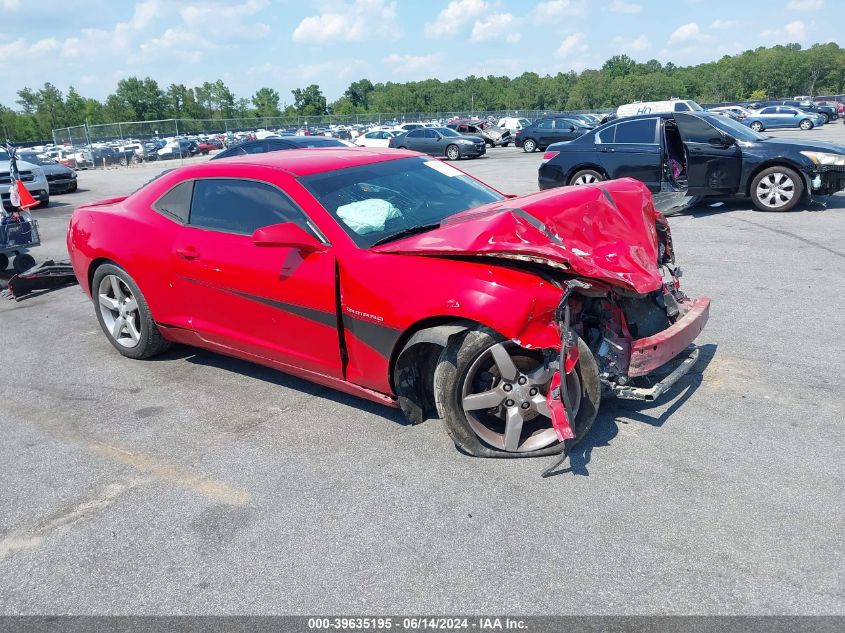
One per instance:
[(754, 74)]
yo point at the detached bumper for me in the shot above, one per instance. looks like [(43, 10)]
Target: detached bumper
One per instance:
[(827, 179), (648, 354)]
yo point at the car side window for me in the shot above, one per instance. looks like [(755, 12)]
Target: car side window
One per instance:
[(257, 148), (431, 134), (696, 130), (241, 206), (416, 134), (545, 125), (681, 107), (768, 111), (563, 124), (176, 202), (642, 131), (607, 135)]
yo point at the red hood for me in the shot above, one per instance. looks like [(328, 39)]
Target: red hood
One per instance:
[(602, 231)]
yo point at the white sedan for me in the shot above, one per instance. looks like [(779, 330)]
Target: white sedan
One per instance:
[(376, 138)]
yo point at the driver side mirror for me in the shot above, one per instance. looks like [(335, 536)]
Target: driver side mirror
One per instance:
[(287, 234)]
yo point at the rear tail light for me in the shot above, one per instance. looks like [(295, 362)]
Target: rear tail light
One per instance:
[(549, 156)]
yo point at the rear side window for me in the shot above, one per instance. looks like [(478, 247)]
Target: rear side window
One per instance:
[(176, 203), (606, 135), (258, 148), (681, 107), (642, 131), (545, 125), (241, 206), (416, 133)]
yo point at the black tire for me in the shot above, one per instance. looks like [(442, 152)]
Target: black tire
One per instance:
[(453, 369), (586, 175), (453, 152), (529, 145), (757, 126), (123, 162), (4, 262), (23, 263), (825, 118), (771, 175), (805, 124), (43, 203), (505, 144), (73, 188), (150, 342)]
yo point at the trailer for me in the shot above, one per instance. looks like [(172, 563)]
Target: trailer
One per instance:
[(17, 236)]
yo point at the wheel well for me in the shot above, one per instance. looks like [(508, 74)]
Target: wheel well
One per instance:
[(776, 163), (575, 170), (414, 359), (95, 264)]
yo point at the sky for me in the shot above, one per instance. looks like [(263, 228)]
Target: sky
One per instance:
[(287, 44)]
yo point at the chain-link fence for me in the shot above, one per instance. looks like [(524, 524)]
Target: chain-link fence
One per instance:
[(131, 143)]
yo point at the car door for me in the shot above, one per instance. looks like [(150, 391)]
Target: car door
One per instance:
[(543, 132), (565, 130), (714, 161), (272, 302), (433, 142), (415, 140), (632, 149)]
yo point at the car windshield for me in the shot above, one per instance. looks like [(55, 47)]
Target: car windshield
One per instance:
[(445, 131), (734, 128), (377, 202), (4, 155), (35, 159), (695, 107)]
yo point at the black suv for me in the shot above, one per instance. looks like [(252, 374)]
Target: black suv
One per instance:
[(544, 132), (681, 157)]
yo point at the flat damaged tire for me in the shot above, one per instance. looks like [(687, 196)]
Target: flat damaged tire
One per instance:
[(491, 395)]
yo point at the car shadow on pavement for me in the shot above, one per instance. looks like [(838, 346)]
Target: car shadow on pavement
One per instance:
[(614, 412), (277, 377), (718, 205)]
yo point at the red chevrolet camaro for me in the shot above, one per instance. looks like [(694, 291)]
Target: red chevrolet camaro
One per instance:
[(401, 279)]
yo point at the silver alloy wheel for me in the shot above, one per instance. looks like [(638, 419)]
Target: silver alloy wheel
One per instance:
[(806, 124), (453, 153), (586, 179), (757, 127), (529, 145), (517, 395), (119, 310), (775, 190)]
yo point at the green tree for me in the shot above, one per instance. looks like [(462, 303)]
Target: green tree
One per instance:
[(266, 102), (309, 101), (358, 93)]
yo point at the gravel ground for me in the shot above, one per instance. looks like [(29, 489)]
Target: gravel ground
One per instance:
[(199, 484)]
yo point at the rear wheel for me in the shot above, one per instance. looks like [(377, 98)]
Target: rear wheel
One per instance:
[(806, 124), (453, 153), (23, 263), (825, 118), (777, 189), (757, 126), (124, 315), (491, 394), (529, 145), (586, 177)]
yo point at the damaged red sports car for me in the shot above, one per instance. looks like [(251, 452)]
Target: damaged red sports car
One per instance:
[(403, 280)]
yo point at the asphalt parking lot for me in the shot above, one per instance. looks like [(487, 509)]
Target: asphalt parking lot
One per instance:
[(194, 483)]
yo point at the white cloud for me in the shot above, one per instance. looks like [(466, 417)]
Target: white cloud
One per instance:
[(554, 10), (10, 5), (359, 21), (454, 17), (793, 32), (575, 43), (724, 24), (498, 26), (620, 6), (804, 5), (409, 64), (48, 45), (689, 32), (638, 44)]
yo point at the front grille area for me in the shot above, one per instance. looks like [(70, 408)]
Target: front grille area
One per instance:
[(6, 178)]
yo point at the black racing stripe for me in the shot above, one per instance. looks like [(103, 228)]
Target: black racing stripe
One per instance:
[(326, 318), (375, 335)]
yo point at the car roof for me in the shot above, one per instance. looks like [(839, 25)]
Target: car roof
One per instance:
[(309, 161)]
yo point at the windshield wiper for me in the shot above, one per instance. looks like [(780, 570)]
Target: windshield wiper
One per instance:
[(412, 230)]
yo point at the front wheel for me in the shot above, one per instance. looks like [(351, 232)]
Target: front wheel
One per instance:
[(23, 263), (453, 153), (505, 144), (124, 315), (757, 126), (530, 145), (777, 189), (491, 394), (586, 177), (44, 202), (806, 124)]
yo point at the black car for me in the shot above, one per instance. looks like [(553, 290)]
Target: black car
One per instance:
[(60, 179), (690, 155), (544, 132), (182, 148), (440, 141), (828, 113), (276, 144)]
